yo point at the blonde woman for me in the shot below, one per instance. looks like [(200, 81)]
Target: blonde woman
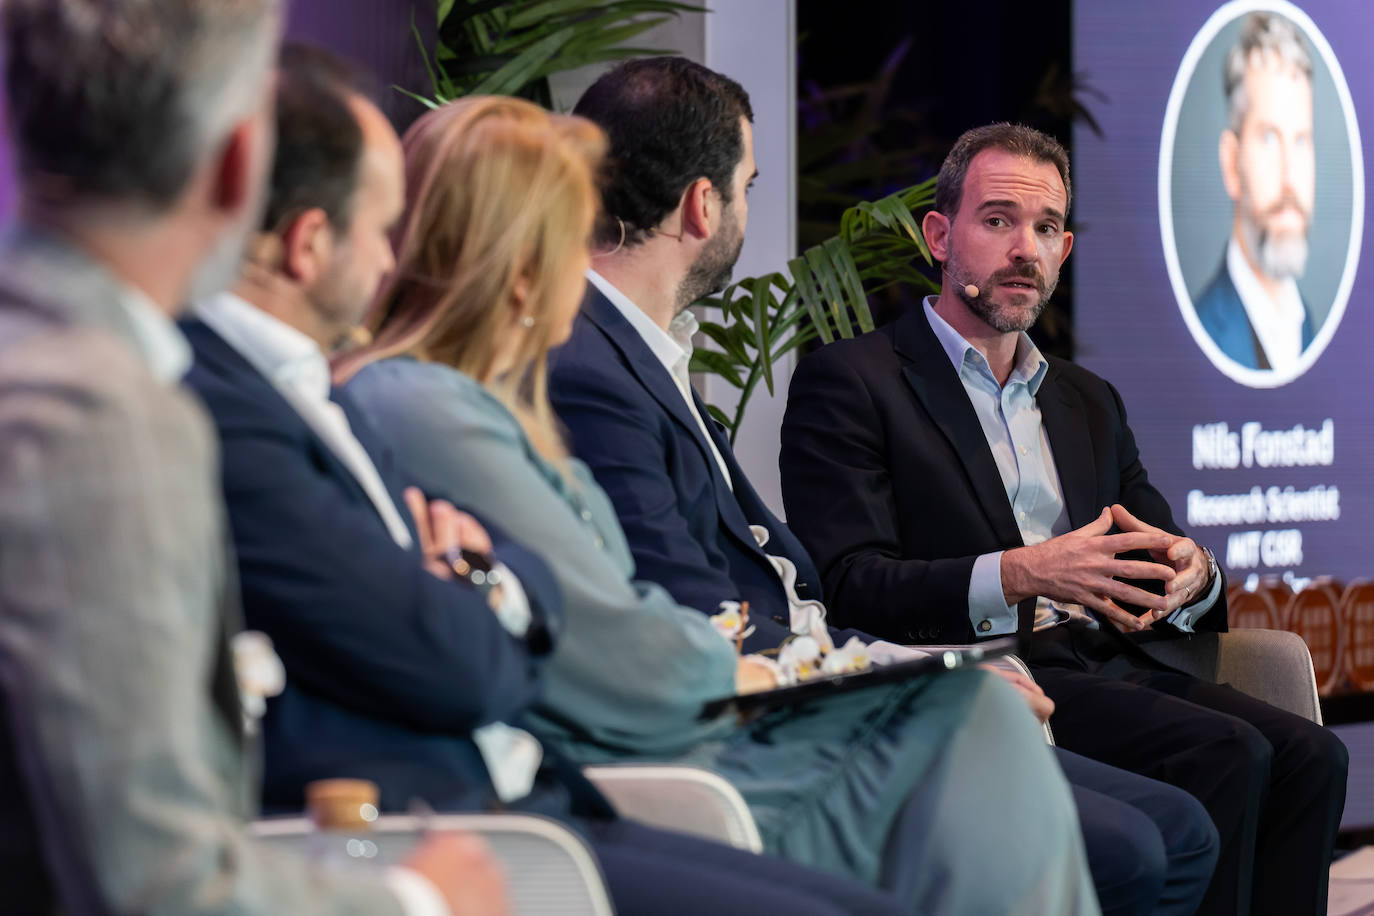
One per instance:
[(886, 785)]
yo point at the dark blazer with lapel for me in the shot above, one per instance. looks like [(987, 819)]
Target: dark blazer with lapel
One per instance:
[(687, 530), (1223, 317), (389, 669), (889, 482)]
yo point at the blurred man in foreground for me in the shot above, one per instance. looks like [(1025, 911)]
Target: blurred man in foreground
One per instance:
[(143, 134)]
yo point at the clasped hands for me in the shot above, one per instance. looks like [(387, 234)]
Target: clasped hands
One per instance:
[(1084, 567)]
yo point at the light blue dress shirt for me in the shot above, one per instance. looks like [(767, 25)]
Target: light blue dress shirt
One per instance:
[(1012, 425)]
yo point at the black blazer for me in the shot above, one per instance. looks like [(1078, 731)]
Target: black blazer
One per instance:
[(889, 482), (687, 530), (389, 669)]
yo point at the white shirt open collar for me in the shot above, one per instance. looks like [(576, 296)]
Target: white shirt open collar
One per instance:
[(162, 345), (672, 348), (294, 364), (1278, 325), (668, 351), (287, 357)]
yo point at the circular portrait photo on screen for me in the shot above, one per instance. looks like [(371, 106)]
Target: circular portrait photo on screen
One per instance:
[(1261, 191)]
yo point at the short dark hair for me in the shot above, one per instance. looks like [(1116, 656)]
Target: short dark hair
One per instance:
[(1017, 139), (319, 140), (669, 122), (120, 100)]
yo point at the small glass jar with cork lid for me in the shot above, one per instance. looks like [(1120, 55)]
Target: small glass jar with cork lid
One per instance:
[(343, 811)]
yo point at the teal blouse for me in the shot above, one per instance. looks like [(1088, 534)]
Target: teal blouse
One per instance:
[(631, 668)]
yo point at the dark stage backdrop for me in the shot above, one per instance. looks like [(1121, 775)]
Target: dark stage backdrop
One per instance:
[(1272, 468), (376, 35)]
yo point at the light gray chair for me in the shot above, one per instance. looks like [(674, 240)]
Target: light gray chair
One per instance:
[(554, 872), (1269, 665), (684, 799)]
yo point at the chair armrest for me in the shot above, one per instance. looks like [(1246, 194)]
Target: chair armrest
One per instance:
[(1007, 663), (1269, 665), (550, 870), (685, 799)]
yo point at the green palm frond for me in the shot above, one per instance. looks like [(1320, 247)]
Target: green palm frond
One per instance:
[(823, 295), (511, 47)]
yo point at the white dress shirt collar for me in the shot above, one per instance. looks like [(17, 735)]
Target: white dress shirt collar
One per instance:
[(672, 348), (163, 346), (1277, 324), (664, 345), (286, 356), (294, 364)]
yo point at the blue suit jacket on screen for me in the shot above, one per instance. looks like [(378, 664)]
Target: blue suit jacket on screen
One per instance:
[(687, 530), (389, 669), (1223, 317)]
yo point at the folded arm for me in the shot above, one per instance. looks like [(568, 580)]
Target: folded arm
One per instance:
[(357, 618), (633, 667)]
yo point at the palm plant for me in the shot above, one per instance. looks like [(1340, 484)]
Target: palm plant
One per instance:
[(510, 47), (857, 142), (823, 295)]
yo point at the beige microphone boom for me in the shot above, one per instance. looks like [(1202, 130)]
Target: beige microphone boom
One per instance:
[(969, 289)]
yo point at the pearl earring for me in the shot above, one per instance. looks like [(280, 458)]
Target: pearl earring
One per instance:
[(528, 321)]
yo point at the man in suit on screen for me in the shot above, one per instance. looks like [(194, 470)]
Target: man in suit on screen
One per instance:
[(143, 133), (1252, 307)]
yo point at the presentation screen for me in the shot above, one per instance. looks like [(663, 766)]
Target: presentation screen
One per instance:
[(1222, 281)]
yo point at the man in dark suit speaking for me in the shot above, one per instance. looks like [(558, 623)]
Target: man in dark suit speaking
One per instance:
[(953, 483), (1252, 307)]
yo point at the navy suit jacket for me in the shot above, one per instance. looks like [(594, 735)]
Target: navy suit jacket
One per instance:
[(1223, 318), (388, 668), (687, 530), (889, 481)]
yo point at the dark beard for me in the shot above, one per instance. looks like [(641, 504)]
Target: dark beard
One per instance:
[(1002, 319), (711, 271)]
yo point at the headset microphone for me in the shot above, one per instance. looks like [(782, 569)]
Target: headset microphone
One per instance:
[(969, 289)]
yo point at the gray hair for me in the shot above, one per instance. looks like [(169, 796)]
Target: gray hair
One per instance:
[(1264, 34), (121, 100)]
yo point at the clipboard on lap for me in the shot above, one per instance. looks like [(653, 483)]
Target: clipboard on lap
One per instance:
[(752, 704)]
